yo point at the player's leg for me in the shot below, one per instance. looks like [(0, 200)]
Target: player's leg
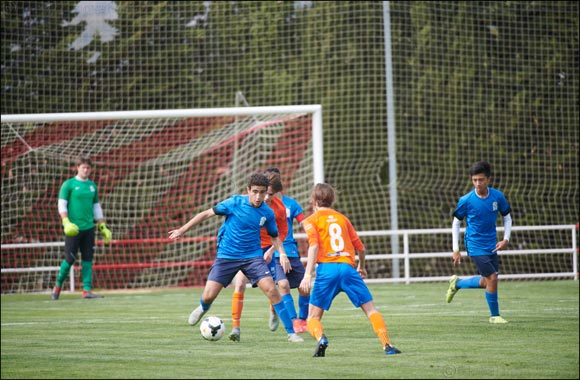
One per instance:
[(379, 327), (287, 282), (71, 247), (316, 330), (220, 275), (87, 244), (487, 266), (240, 282), (325, 288), (256, 273), (359, 294)]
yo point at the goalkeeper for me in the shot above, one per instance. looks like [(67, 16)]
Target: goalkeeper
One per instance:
[(79, 207)]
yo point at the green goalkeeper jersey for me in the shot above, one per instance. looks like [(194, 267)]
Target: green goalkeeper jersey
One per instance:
[(81, 196)]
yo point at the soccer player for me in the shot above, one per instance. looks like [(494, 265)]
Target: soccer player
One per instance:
[(79, 207), (480, 208), (292, 279), (240, 281), (238, 248), (333, 243)]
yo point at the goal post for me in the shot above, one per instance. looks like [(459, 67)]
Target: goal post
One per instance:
[(154, 171)]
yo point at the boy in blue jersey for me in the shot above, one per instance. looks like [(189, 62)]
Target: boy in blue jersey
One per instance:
[(292, 279), (239, 249), (480, 208)]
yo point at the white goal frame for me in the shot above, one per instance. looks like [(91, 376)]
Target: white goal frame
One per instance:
[(315, 109)]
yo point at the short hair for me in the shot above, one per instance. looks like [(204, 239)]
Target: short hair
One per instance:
[(258, 179), (274, 180), (273, 169), (83, 160), (480, 167), (323, 194)]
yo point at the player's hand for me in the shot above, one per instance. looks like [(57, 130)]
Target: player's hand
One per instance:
[(70, 229), (501, 245), (268, 255), (175, 234), (306, 283), (362, 272), (456, 258), (285, 263), (106, 233)]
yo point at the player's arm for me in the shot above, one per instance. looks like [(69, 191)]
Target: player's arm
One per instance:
[(507, 225), (98, 216), (204, 215), (278, 246), (306, 282), (70, 229), (361, 269), (455, 228)]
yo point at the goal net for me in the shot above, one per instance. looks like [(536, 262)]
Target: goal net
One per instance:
[(154, 170)]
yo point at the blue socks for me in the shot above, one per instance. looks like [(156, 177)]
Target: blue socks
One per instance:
[(283, 314), (472, 283), (204, 306), (303, 302), (492, 303), (468, 283), (289, 305)]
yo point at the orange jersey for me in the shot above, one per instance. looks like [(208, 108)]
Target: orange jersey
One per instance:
[(334, 235), (280, 212)]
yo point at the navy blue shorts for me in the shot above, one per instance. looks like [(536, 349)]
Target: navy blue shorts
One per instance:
[(224, 270), (486, 264), (295, 276)]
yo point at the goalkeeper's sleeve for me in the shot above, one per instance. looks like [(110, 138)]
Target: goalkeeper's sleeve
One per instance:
[(107, 234), (70, 229)]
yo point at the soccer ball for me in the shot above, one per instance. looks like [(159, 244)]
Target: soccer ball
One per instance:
[(212, 328)]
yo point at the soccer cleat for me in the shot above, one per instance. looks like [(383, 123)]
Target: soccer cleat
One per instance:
[(55, 293), (87, 294), (295, 338), (321, 347), (300, 326), (497, 320), (196, 315), (235, 334), (274, 321), (452, 288), (391, 350)]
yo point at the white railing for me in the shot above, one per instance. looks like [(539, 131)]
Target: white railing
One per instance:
[(407, 256)]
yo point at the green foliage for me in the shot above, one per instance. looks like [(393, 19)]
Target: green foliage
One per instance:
[(483, 80), (145, 335)]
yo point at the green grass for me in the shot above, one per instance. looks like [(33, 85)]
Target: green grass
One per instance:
[(145, 335)]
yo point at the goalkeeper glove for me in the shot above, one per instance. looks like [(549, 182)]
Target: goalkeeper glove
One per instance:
[(70, 229), (107, 234)]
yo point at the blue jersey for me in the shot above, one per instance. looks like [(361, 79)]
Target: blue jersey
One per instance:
[(480, 235), (239, 236), (293, 209)]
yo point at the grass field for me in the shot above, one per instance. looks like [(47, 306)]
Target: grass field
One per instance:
[(145, 335)]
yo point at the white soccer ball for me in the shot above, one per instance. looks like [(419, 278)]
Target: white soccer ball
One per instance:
[(212, 328)]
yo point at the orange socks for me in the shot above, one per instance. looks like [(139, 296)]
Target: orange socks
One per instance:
[(315, 328), (380, 328), (237, 306)]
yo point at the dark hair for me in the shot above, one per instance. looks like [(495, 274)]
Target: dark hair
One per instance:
[(480, 167), (275, 181), (83, 160), (323, 194), (273, 170), (258, 179)]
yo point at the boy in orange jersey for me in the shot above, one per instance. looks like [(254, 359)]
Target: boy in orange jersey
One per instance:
[(240, 281), (332, 244)]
